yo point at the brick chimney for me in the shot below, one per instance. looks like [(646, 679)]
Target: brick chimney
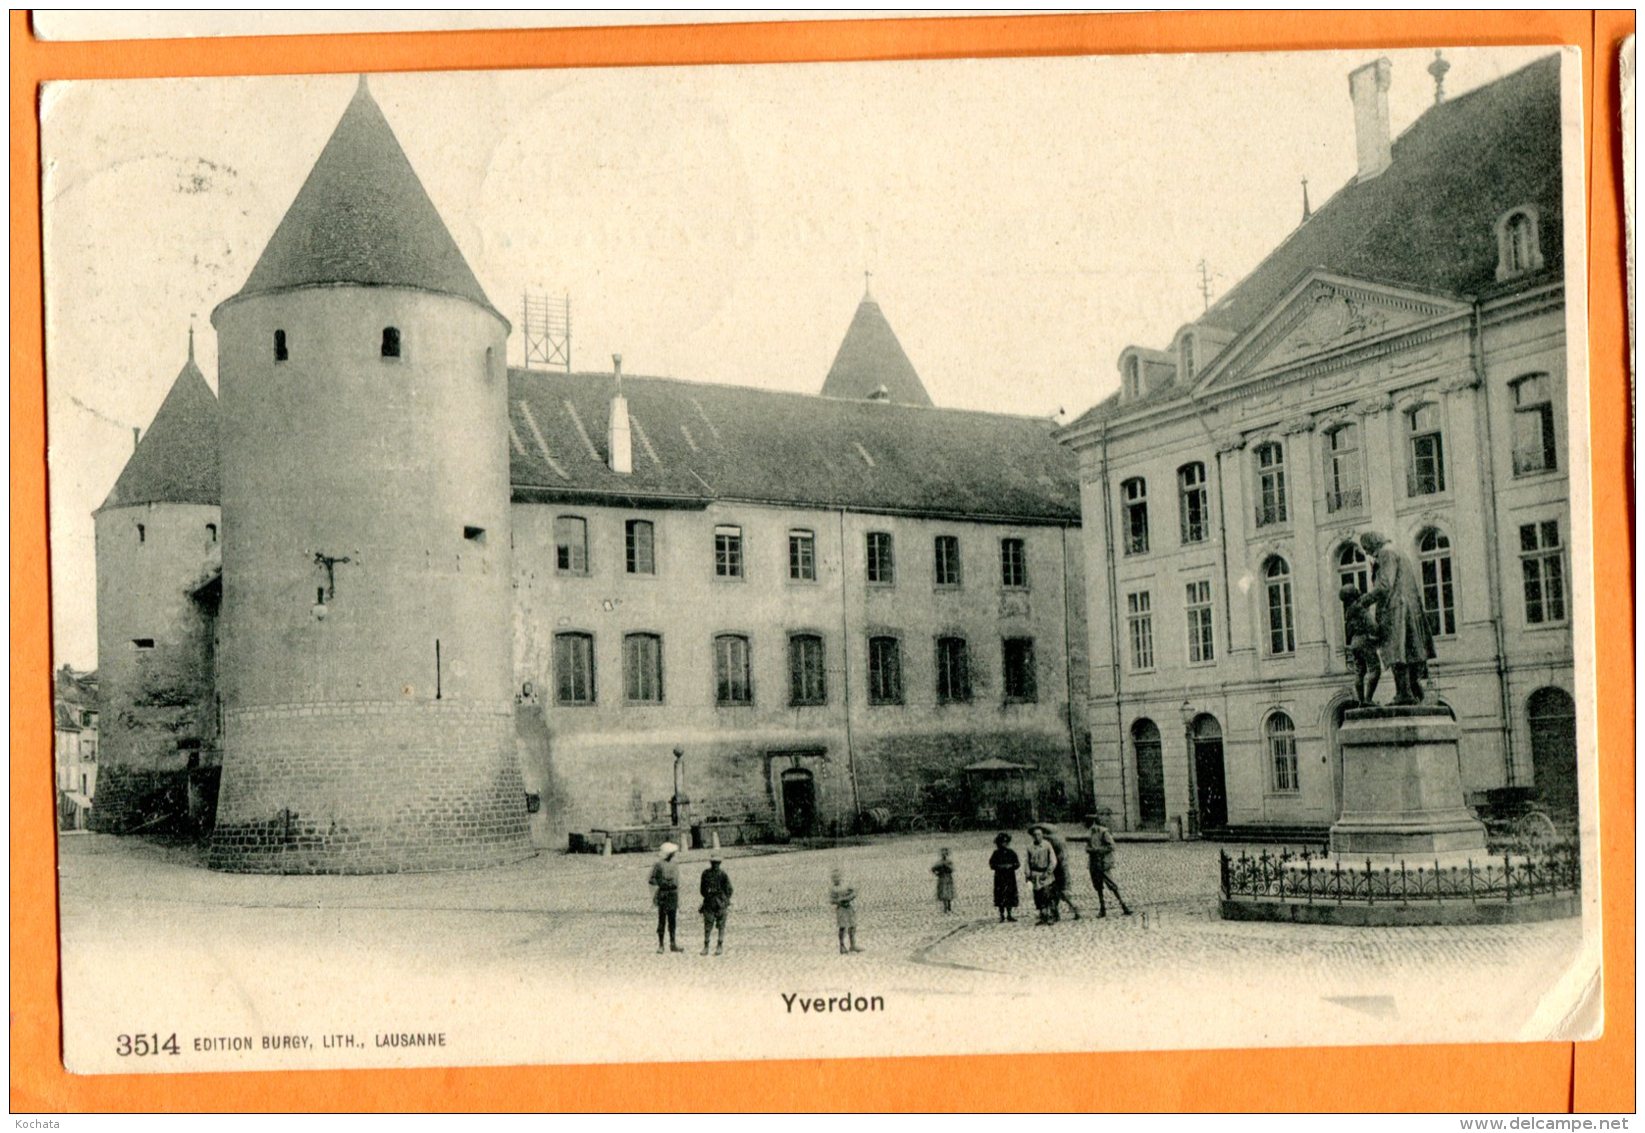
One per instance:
[(1368, 87), (621, 446)]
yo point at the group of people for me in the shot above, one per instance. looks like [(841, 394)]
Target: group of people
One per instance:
[(1047, 868), (1047, 872)]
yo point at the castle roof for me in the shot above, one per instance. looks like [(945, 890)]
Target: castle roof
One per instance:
[(176, 460), (363, 217), (871, 357), (694, 443), (1428, 221)]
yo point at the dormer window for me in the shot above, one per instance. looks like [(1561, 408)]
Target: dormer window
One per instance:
[(1132, 377), (1188, 358), (1519, 246), (391, 342), (281, 352)]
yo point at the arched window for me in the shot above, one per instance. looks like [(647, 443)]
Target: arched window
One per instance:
[(1134, 497), (1519, 247), (807, 673), (1281, 735), (142, 533), (1438, 594), (643, 668), (1536, 448), (953, 670), (733, 683), (884, 670), (391, 342), (1270, 458), (570, 544), (574, 668), (211, 533), (281, 353), (1193, 504), (1282, 634), (1145, 747), (1425, 469), (1342, 490)]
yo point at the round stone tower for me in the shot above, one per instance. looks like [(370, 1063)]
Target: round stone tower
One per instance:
[(366, 616)]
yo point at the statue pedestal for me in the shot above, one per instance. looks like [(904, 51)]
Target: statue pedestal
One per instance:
[(1402, 786)]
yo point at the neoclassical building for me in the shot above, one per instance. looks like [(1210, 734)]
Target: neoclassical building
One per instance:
[(1397, 364)]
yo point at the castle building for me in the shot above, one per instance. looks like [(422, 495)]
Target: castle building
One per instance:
[(1397, 364), (426, 611)]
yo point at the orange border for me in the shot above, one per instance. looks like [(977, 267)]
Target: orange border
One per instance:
[(1596, 1076)]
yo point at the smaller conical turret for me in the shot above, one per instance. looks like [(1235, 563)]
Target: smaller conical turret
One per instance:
[(870, 359), (176, 461)]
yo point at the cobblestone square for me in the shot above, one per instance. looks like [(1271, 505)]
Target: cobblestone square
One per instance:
[(554, 959)]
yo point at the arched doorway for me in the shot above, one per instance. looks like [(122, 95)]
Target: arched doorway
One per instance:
[(1209, 778), (799, 788), (1552, 716), (1145, 746)]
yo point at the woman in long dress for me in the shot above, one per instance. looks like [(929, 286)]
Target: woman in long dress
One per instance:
[(1004, 863)]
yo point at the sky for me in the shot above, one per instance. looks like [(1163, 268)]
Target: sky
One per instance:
[(1024, 220)]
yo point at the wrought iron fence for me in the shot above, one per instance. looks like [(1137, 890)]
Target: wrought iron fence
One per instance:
[(1312, 878), (1343, 500)]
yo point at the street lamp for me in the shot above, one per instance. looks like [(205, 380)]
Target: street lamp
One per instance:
[(1187, 712)]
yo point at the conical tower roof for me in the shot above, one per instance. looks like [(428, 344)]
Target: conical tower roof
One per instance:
[(363, 217), (870, 357), (176, 460)]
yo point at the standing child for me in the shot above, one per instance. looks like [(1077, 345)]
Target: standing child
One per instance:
[(1361, 635), (944, 869), (1004, 863), (844, 899), (1042, 864), (716, 890)]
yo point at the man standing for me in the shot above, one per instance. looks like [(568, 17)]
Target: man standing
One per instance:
[(665, 894), (1402, 623), (1099, 855), (716, 891), (1059, 876)]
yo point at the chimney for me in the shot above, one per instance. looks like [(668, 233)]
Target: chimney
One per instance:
[(620, 445), (1368, 87), (136, 437)]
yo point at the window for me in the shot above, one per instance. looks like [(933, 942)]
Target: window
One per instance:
[(1132, 377), (728, 552), (1544, 566), (574, 668), (1193, 504), (1013, 564), (142, 643), (1282, 751), (1201, 635), (643, 668), (570, 544), (1426, 474), (1187, 357), (1535, 449), (474, 534), (1150, 764), (639, 547), (1282, 635), (807, 680), (1134, 501), (884, 670), (1519, 248), (1353, 569), (946, 555), (882, 568), (953, 671), (1438, 597), (211, 533), (732, 683), (1270, 484), (1020, 685), (391, 342), (281, 351), (802, 555), (1342, 490), (142, 533), (1140, 622)]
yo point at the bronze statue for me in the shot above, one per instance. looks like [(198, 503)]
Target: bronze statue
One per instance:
[(1403, 639)]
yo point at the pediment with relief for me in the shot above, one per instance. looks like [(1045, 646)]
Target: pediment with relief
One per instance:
[(1324, 314)]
